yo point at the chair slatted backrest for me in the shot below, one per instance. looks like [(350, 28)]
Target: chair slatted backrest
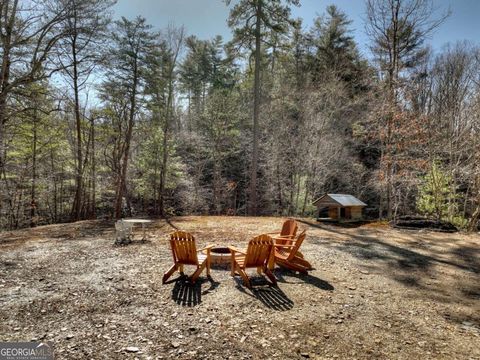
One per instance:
[(289, 228), (183, 247), (259, 251), (298, 243)]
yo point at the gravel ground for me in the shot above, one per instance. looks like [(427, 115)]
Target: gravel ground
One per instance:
[(375, 292)]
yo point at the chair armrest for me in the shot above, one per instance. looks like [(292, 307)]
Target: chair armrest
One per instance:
[(234, 250), (283, 246), (270, 233), (284, 237), (208, 247)]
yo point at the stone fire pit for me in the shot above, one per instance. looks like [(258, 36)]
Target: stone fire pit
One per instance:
[(219, 255)]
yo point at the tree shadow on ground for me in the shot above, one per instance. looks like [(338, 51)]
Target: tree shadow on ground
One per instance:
[(469, 256), (270, 296), (284, 276), (401, 258), (187, 294), (468, 323), (412, 265)]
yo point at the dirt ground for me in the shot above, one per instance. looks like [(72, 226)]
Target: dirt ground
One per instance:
[(375, 293)]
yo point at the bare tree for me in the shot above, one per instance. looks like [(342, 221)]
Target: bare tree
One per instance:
[(455, 75), (86, 30), (29, 33), (398, 29)]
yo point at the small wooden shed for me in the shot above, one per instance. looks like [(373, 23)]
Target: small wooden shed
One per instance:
[(339, 207)]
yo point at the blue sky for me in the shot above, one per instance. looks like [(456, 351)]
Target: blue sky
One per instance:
[(207, 18)]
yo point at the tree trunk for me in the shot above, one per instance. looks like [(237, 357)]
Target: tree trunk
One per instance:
[(297, 195), (33, 201), (392, 81), (305, 199), (5, 77), (123, 170), (77, 202), (3, 151), (54, 178), (279, 188), (127, 199), (166, 130), (292, 191), (216, 185), (3, 105), (474, 220), (60, 208), (256, 109), (93, 210)]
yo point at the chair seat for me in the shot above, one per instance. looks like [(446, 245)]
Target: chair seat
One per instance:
[(282, 253)]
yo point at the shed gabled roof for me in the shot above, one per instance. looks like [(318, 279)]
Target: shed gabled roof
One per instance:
[(340, 199)]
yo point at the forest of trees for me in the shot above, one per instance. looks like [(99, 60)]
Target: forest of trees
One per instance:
[(110, 118)]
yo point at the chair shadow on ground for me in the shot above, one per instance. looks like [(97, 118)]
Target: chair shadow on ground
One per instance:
[(187, 294), (282, 274), (270, 296)]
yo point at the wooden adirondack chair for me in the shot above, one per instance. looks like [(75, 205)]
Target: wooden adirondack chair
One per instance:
[(184, 252), (258, 255), (289, 230), (288, 255)]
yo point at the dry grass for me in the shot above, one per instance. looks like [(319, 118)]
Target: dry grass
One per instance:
[(375, 293)]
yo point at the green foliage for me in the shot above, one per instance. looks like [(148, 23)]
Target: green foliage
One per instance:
[(204, 66), (334, 52), (131, 51), (459, 221), (332, 37), (273, 14), (437, 196), (219, 123)]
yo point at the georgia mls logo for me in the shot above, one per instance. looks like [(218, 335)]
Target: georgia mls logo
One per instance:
[(26, 351)]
